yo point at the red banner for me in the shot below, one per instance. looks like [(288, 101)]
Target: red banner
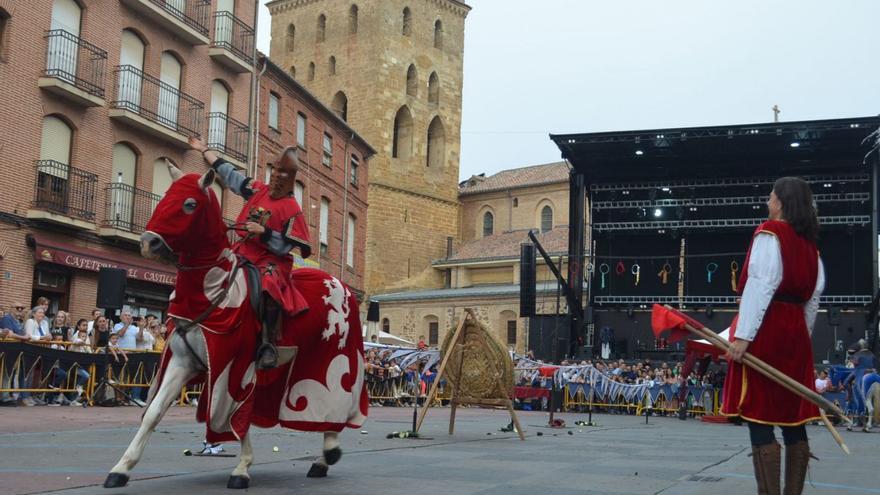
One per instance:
[(93, 260)]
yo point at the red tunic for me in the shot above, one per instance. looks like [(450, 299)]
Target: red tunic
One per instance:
[(783, 340), (276, 269)]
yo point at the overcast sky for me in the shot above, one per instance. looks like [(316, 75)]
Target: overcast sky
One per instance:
[(540, 66)]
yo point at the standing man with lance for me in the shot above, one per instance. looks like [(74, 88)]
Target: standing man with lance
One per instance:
[(780, 288), (273, 225)]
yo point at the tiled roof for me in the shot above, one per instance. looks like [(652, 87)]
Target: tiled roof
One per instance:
[(549, 173), (506, 245)]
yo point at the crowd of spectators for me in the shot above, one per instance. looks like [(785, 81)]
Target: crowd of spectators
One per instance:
[(94, 334), (391, 385)]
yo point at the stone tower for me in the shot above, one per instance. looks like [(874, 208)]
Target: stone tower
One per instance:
[(393, 70)]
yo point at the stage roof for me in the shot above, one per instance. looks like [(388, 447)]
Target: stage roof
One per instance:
[(777, 148)]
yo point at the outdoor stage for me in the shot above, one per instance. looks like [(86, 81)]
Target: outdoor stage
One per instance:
[(71, 449)]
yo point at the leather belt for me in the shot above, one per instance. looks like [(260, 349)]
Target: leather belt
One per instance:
[(787, 298)]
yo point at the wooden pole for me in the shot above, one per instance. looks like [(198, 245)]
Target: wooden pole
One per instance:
[(440, 370)]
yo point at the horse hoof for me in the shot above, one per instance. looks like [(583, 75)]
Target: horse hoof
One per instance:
[(332, 456), (238, 482), (115, 480), (318, 471)]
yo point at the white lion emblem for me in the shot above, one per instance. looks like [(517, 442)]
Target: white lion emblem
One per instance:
[(337, 315)]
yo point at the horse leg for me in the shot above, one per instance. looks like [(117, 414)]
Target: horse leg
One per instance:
[(330, 456), (174, 379), (240, 477)]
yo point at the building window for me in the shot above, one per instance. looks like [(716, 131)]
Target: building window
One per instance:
[(354, 170), (511, 332), (349, 242), (339, 105), (4, 23), (546, 219), (434, 89), (433, 333), (436, 143), (386, 325), (353, 20), (331, 65), (402, 138), (412, 81), (327, 157), (321, 29), (407, 22), (515, 202), (311, 75), (293, 71), (298, 190), (438, 34), (301, 130), (274, 105), (325, 225), (488, 224), (290, 38)]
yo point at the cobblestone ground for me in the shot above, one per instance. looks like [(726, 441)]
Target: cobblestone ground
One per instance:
[(70, 450)]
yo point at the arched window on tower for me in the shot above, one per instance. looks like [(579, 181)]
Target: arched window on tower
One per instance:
[(321, 28), (332, 65), (290, 38), (546, 219), (407, 22), (340, 105), (436, 143), (311, 71), (438, 34), (386, 325), (434, 89), (412, 81), (488, 224), (403, 127), (353, 19)]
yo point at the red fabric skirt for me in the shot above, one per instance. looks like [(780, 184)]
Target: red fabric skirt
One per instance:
[(784, 343)]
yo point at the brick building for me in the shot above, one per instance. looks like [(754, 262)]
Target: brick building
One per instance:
[(393, 68), (497, 213), (96, 96)]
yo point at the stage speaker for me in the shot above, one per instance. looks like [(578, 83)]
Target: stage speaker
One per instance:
[(373, 311), (111, 288), (527, 280)]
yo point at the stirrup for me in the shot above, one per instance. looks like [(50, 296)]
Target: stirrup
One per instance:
[(267, 356)]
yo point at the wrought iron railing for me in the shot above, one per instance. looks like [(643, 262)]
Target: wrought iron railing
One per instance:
[(129, 208), (76, 61), (233, 34), (228, 135), (157, 101), (193, 13), (67, 190)]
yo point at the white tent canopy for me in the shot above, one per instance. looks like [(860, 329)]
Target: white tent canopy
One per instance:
[(389, 339)]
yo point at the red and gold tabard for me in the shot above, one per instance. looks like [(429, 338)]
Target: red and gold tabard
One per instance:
[(281, 215), (783, 340)]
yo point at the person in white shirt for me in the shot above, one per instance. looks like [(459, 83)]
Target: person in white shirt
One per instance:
[(145, 339), (80, 339), (127, 331), (96, 313), (36, 327)]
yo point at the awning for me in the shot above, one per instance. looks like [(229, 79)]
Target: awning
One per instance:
[(52, 249)]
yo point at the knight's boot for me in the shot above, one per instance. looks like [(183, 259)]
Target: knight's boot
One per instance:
[(767, 460), (267, 353), (797, 457)]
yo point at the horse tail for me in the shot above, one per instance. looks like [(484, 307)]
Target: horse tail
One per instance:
[(874, 397)]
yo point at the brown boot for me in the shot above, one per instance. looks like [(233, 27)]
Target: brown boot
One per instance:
[(767, 460), (797, 456)]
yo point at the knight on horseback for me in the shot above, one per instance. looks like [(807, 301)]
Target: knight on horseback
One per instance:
[(271, 225)]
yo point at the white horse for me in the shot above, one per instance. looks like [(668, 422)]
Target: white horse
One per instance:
[(200, 223)]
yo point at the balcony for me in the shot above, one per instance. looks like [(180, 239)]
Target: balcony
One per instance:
[(229, 137), (187, 19), (64, 195), (74, 69), (155, 107), (128, 211), (233, 43)]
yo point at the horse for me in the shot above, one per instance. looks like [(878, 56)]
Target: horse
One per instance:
[(871, 387), (214, 326)]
